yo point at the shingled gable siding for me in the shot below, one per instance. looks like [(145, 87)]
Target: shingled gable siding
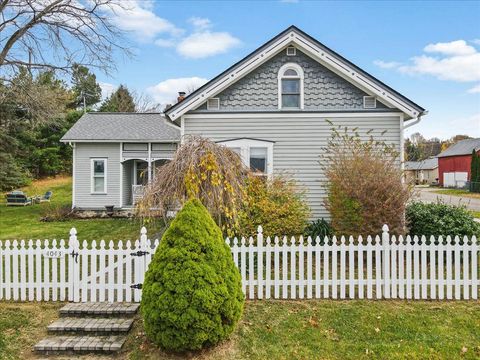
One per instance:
[(324, 90), (298, 141), (83, 153)]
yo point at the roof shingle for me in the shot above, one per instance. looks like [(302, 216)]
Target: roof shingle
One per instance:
[(122, 127)]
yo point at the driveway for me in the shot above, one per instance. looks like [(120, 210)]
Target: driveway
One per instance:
[(428, 195)]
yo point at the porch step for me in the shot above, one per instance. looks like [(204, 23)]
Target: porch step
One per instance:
[(69, 343), (102, 309), (91, 325)]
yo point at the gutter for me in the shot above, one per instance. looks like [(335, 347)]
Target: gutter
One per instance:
[(416, 121)]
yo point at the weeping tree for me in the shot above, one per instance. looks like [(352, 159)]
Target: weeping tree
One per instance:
[(203, 170)]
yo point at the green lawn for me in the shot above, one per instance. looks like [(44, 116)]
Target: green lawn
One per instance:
[(24, 222), (308, 329), (458, 192)]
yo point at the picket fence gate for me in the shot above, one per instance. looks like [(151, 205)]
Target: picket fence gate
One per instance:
[(382, 267)]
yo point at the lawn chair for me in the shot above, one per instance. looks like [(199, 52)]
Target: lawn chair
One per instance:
[(46, 197), (18, 198)]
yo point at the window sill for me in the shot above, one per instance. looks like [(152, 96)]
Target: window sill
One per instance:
[(98, 193)]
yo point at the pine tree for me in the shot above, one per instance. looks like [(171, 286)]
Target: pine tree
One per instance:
[(84, 85), (192, 294), (475, 172), (120, 101)]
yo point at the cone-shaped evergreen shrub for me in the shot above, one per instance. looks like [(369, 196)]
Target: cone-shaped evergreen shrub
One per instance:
[(192, 295)]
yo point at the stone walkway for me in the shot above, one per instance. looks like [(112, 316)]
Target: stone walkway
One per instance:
[(89, 327)]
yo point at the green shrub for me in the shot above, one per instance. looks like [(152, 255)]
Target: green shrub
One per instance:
[(192, 296), (276, 203), (320, 228), (440, 219)]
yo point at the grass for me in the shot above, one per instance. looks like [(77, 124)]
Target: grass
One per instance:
[(458, 192), (23, 222), (476, 214), (308, 329)]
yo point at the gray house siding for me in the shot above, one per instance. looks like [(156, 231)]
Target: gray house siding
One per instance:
[(299, 140), (84, 152), (323, 89)]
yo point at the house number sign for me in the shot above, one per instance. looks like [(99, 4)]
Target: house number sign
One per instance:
[(54, 254)]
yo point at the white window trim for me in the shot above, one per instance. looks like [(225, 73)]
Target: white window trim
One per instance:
[(245, 144), (105, 172), (299, 71)]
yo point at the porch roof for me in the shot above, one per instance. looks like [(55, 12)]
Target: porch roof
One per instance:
[(123, 127)]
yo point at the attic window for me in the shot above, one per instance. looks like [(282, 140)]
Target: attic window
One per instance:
[(291, 51), (290, 87), (369, 102), (213, 104)]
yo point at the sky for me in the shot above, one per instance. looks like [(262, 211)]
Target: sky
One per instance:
[(428, 51)]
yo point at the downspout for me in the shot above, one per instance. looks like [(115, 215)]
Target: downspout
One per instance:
[(402, 137)]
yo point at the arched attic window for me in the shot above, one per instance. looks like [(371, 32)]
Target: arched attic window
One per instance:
[(290, 87)]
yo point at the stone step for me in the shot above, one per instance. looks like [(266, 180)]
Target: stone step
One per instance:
[(91, 325), (71, 343), (102, 309)]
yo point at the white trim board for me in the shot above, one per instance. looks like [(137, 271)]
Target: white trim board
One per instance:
[(286, 114), (323, 56)]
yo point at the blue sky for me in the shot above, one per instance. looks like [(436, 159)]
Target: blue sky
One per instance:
[(428, 51)]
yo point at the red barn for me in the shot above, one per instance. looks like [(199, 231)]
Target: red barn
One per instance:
[(454, 164)]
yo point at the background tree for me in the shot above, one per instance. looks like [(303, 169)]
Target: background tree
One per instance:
[(86, 90), (121, 100), (69, 31), (475, 172)]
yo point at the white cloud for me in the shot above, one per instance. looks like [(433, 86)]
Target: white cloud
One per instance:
[(166, 91), (456, 68), (204, 44), (139, 18), (474, 90), (107, 89), (200, 23), (387, 64), (458, 47), (455, 61), (476, 41), (165, 42)]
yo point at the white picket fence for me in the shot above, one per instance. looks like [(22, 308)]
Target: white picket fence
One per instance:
[(378, 267)]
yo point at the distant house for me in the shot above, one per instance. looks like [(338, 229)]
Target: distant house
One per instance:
[(454, 164), (422, 172), (271, 107)]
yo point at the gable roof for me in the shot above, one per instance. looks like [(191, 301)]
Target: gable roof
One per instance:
[(463, 147), (313, 48), (427, 164), (100, 126)]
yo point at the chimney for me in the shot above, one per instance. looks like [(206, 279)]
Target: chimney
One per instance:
[(181, 96)]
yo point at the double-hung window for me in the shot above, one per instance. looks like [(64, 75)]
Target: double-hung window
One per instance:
[(99, 176), (290, 87), (256, 154)]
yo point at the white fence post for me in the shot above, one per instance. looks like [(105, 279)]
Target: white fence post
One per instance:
[(386, 261), (260, 262), (73, 273)]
